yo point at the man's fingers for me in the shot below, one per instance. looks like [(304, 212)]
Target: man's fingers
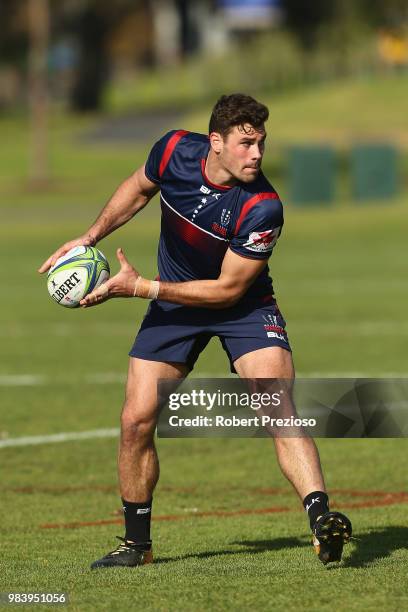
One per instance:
[(122, 258), (45, 266), (103, 290), (87, 240), (95, 297), (52, 260)]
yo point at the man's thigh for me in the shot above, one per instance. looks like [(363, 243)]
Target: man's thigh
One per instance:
[(270, 370), (270, 362), (141, 388)]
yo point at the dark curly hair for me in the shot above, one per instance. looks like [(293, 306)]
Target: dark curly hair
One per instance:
[(237, 109)]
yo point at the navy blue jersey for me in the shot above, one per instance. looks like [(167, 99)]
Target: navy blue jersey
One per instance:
[(201, 220)]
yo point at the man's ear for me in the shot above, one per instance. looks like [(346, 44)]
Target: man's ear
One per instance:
[(216, 142)]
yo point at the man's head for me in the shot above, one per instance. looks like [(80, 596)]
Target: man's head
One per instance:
[(237, 135)]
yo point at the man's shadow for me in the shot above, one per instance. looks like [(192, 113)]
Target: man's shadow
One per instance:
[(253, 547), (376, 545), (367, 547)]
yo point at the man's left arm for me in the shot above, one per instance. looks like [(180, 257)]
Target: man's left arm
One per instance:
[(236, 276)]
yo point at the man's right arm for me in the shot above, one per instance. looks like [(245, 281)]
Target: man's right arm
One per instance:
[(131, 196)]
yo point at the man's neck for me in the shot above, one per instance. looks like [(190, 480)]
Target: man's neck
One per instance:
[(216, 173)]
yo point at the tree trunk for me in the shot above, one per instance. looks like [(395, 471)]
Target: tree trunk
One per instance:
[(38, 13)]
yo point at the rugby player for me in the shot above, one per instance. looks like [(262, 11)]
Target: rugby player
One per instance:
[(220, 221)]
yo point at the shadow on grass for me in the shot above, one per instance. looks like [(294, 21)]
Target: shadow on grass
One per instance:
[(368, 548), (252, 546), (377, 545)]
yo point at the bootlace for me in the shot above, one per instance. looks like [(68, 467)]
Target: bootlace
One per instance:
[(123, 547), (126, 546)]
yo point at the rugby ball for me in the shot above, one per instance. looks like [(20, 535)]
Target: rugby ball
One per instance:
[(76, 274)]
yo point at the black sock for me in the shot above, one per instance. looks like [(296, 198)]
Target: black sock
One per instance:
[(316, 504), (137, 520)]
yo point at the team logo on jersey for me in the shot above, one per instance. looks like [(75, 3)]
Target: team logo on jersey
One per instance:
[(216, 227), (262, 242), (225, 216)]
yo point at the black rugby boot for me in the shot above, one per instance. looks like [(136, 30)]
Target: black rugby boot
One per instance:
[(330, 532), (127, 554)]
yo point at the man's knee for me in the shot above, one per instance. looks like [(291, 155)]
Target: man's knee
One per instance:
[(137, 429)]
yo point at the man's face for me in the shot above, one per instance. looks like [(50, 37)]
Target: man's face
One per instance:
[(241, 151)]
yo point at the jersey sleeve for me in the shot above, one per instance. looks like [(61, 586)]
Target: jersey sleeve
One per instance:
[(258, 228), (156, 155)]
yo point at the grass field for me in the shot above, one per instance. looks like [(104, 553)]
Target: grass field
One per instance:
[(228, 530)]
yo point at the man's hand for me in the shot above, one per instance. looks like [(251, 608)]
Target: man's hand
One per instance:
[(85, 240), (120, 285)]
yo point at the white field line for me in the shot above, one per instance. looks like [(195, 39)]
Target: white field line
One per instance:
[(22, 380), (361, 328), (98, 378), (34, 380), (60, 437), (108, 378)]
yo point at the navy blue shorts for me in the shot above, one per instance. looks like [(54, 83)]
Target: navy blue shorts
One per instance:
[(178, 334)]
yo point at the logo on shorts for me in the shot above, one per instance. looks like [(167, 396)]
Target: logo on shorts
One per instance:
[(272, 328), (262, 242)]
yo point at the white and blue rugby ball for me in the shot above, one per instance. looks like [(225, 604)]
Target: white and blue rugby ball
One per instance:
[(76, 274)]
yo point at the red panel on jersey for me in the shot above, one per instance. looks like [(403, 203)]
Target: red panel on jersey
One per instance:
[(171, 145), (193, 235), (252, 202)]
